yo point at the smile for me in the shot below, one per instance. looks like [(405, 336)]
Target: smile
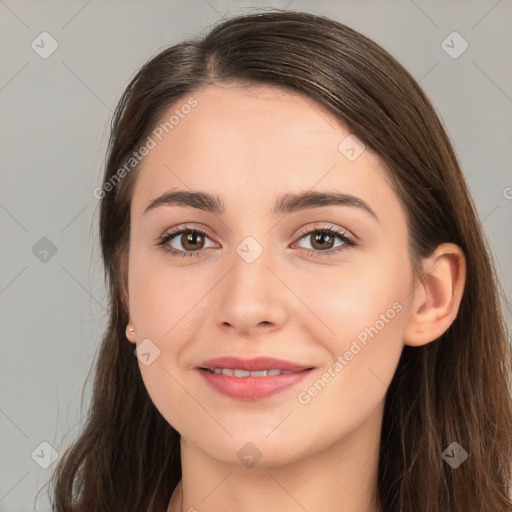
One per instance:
[(246, 373), (251, 379)]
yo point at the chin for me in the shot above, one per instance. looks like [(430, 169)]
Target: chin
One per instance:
[(256, 451)]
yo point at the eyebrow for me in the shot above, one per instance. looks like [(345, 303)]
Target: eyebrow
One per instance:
[(285, 204)]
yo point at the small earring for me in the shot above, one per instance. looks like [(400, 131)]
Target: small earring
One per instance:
[(129, 330)]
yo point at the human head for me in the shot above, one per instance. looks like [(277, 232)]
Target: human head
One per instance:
[(349, 76)]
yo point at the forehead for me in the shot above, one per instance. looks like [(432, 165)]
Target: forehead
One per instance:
[(255, 140)]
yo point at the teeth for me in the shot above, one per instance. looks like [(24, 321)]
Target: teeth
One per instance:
[(241, 373), (261, 373), (235, 372)]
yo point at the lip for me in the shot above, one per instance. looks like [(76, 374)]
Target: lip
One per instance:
[(252, 388), (254, 364)]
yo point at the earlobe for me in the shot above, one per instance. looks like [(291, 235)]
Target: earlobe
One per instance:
[(130, 330), (130, 333), (437, 298)]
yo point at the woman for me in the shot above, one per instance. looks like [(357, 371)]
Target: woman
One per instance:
[(294, 258)]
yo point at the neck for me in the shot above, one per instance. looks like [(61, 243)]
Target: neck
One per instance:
[(342, 478)]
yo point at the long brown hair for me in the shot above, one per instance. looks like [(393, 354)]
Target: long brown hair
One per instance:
[(454, 389)]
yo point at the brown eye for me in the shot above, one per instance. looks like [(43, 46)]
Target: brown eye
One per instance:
[(192, 240), (325, 241), (322, 240), (184, 242)]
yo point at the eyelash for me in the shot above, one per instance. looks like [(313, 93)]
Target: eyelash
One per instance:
[(330, 230)]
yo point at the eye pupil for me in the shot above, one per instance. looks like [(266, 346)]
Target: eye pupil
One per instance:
[(320, 237), (190, 238)]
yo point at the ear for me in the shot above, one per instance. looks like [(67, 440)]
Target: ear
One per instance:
[(130, 333), (125, 299), (130, 328), (436, 299)]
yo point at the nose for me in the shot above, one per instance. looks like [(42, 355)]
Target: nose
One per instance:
[(250, 298)]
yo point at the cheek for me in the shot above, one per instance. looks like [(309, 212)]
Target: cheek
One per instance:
[(362, 300), (162, 309), (364, 353), (161, 300), (362, 317)]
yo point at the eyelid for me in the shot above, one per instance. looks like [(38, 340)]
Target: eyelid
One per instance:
[(326, 226), (348, 239), (169, 234), (345, 236)]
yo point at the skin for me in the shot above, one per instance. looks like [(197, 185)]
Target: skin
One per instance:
[(250, 144)]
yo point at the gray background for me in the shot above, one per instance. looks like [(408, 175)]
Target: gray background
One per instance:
[(56, 113)]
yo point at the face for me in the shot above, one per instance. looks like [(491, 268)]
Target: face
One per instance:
[(318, 289)]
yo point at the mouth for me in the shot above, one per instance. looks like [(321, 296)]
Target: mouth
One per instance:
[(237, 372), (251, 379)]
